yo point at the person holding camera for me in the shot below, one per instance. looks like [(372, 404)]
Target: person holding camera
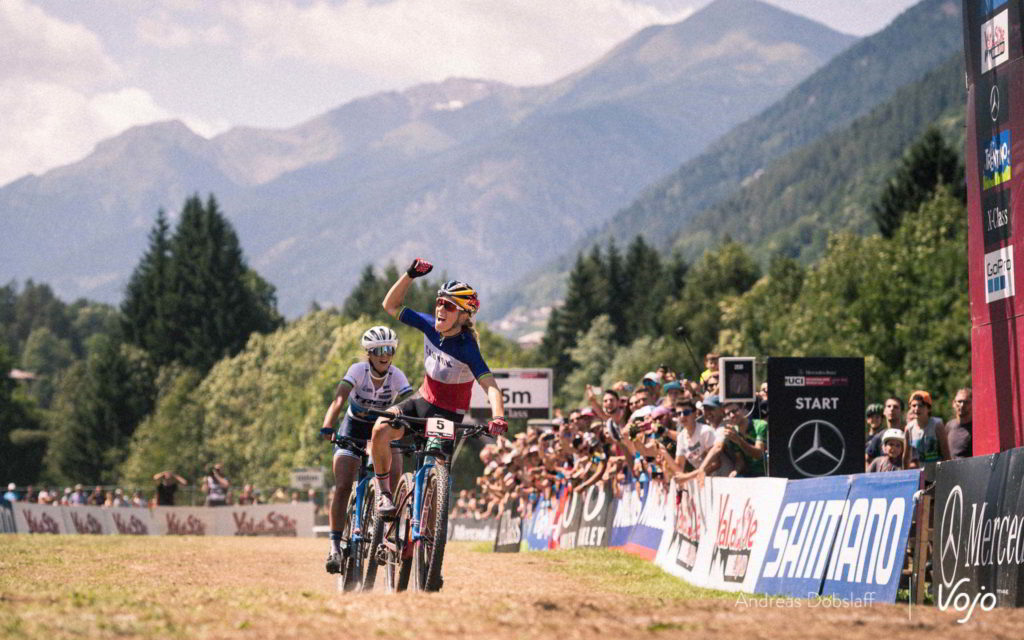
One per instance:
[(215, 486)]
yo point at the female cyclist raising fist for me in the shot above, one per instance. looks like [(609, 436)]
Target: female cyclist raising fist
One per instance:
[(452, 361)]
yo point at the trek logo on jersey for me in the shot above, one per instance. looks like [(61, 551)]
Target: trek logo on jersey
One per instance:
[(999, 274), (997, 160), (995, 41)]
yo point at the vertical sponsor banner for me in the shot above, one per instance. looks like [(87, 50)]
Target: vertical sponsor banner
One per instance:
[(510, 529), (690, 511), (645, 538), (743, 515), (978, 539), (627, 514), (597, 510), (569, 521), (562, 498), (817, 425), (88, 520), (870, 547), (995, 201), (471, 530), (538, 529), (38, 518), (805, 529)]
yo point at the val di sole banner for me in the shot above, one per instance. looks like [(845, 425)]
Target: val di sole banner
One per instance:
[(718, 532), (255, 520)]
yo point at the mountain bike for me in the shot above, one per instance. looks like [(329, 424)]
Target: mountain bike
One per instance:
[(359, 519), (412, 543)]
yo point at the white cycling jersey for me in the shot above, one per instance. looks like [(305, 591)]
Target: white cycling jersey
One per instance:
[(363, 394)]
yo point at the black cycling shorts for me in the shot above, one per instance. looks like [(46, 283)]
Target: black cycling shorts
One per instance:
[(416, 407)]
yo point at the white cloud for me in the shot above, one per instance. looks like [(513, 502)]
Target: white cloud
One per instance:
[(37, 46), (516, 41), (162, 31)]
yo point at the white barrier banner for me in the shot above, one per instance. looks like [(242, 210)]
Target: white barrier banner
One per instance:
[(184, 521), (719, 534), (84, 520), (134, 521), (38, 518), (291, 520)]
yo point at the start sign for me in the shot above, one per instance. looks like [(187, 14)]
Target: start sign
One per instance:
[(526, 392)]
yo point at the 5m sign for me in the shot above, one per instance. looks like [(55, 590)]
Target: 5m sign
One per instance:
[(526, 392)]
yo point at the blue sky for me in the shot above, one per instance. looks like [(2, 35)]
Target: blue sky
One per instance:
[(76, 72)]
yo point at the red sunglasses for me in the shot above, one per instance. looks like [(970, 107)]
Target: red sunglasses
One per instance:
[(447, 304)]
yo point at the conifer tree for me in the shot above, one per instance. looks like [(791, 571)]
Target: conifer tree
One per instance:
[(144, 309)]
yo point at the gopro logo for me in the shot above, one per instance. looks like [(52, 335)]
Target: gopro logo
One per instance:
[(999, 274)]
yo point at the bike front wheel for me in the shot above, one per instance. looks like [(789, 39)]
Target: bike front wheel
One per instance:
[(352, 565), (373, 529), (429, 554)]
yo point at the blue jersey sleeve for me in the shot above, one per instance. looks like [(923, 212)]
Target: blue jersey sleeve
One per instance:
[(417, 320), (475, 360)]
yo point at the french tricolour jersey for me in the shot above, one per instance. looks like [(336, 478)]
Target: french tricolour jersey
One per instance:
[(451, 364), (364, 396)]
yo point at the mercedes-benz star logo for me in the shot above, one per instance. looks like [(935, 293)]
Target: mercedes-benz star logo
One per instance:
[(949, 535), (993, 103), (818, 454)]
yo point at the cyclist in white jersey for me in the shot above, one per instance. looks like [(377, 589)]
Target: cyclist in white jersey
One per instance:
[(371, 384)]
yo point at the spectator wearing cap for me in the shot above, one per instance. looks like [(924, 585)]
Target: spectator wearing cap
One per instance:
[(719, 461), (11, 495), (925, 433), (78, 496), (893, 444), (959, 432), (694, 439), (672, 391), (652, 383), (873, 417)]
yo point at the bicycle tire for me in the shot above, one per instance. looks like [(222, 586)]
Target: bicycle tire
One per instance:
[(352, 566), (439, 529), (396, 538), (375, 525), (405, 529)]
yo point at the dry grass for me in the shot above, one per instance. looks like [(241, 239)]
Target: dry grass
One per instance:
[(54, 587)]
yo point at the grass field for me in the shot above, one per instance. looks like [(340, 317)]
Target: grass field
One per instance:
[(54, 587)]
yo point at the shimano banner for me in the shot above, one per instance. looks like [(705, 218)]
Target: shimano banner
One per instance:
[(805, 529), (979, 531), (510, 529), (870, 547), (597, 508), (817, 417)]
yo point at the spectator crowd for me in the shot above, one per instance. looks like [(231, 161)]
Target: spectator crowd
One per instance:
[(670, 427)]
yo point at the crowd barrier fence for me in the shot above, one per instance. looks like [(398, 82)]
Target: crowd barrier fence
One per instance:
[(290, 520)]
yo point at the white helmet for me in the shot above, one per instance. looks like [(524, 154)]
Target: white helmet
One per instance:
[(893, 434), (380, 336)]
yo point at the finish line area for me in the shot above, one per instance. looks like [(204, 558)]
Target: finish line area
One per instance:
[(227, 587)]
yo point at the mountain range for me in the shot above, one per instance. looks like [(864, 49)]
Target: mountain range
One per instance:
[(791, 146), (489, 180)]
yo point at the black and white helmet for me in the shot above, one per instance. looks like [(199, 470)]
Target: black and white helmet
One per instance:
[(380, 336)]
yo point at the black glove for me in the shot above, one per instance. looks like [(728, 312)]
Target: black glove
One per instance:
[(419, 267)]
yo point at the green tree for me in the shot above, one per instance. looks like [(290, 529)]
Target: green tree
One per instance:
[(22, 440), (211, 301), (592, 356), (46, 356), (145, 309), (927, 164)]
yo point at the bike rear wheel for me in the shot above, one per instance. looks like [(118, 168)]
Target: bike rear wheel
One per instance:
[(399, 561), (352, 565), (433, 529), (373, 530)]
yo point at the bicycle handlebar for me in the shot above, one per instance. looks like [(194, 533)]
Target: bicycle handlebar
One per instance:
[(470, 431)]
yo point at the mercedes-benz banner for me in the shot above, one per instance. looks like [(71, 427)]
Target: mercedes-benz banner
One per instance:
[(816, 424)]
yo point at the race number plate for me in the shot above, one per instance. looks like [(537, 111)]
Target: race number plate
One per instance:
[(440, 428)]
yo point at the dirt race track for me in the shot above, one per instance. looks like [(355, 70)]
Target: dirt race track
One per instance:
[(118, 587)]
